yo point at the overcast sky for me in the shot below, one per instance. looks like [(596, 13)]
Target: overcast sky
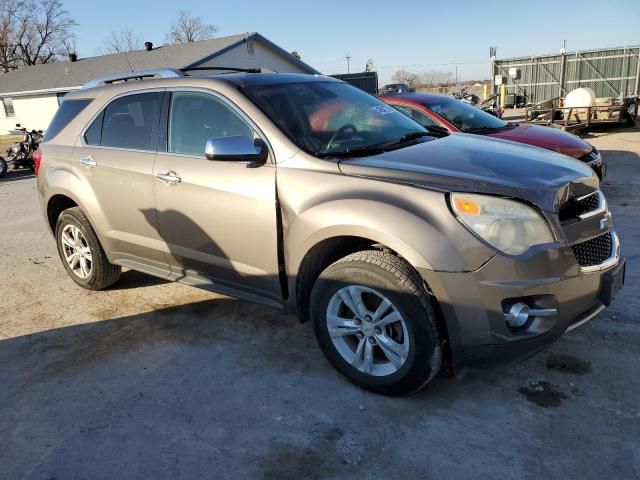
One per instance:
[(417, 35)]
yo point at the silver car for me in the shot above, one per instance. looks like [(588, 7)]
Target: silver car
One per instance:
[(406, 249)]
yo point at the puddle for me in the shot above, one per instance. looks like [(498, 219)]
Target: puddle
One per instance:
[(568, 364), (543, 394)]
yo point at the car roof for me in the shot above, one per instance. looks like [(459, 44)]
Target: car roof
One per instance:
[(415, 97), (250, 79)]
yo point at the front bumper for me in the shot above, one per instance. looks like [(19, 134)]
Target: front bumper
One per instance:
[(599, 167), (473, 304)]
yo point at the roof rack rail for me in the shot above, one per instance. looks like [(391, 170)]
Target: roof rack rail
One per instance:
[(229, 69), (139, 75)]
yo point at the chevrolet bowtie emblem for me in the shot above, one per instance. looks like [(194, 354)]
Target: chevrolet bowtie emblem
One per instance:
[(606, 221)]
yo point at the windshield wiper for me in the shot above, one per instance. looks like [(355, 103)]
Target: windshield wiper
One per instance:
[(482, 129), (354, 152), (486, 129), (378, 148), (408, 137)]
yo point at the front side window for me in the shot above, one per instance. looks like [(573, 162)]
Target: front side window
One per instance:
[(325, 118), (7, 103), (130, 122), (196, 117), (417, 115)]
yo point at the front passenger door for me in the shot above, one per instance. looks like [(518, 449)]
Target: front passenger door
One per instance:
[(218, 218)]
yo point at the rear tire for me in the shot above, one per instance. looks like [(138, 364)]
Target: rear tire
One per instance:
[(387, 341), (81, 253), (3, 167)]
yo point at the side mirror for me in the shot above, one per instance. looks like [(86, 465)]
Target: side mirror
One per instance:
[(237, 148)]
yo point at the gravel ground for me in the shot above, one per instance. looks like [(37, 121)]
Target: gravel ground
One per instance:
[(159, 380)]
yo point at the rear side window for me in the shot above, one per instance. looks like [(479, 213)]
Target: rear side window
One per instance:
[(131, 122), (67, 111), (93, 134)]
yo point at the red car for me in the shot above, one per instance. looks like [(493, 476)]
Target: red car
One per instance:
[(438, 112)]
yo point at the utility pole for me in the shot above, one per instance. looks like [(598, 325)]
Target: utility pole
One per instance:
[(492, 55), (348, 63)]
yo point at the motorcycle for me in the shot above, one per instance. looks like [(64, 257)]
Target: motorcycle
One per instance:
[(491, 106), (465, 96), (20, 154)]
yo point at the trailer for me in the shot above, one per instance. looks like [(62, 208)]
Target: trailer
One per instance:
[(606, 111)]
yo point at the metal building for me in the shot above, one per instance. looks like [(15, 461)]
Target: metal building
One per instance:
[(610, 72)]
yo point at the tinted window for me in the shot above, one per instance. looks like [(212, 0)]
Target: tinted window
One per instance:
[(418, 116), (325, 118), (66, 112), (131, 122), (196, 117), (94, 132), (464, 116)]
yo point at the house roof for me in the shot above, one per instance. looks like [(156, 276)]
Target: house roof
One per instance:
[(59, 76)]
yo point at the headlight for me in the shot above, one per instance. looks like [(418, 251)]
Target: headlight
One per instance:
[(508, 225)]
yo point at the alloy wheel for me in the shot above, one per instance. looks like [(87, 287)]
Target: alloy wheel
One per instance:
[(367, 330), (77, 252)]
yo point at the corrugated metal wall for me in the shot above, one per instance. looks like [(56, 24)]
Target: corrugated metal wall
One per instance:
[(609, 72)]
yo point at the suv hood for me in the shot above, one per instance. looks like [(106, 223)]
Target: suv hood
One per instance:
[(468, 163)]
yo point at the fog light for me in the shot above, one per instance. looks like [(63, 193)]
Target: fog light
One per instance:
[(517, 315)]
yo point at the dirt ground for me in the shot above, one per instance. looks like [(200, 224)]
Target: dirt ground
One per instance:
[(157, 380)]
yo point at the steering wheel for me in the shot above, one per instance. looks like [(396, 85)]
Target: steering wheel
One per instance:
[(338, 134)]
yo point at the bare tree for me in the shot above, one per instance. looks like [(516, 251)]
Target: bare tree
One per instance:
[(432, 78), (402, 76), (120, 41), (189, 28), (33, 32), (9, 51)]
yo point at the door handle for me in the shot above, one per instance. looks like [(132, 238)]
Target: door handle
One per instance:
[(88, 162), (170, 178)]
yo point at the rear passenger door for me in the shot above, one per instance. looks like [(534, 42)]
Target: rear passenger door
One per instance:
[(218, 218), (115, 159)]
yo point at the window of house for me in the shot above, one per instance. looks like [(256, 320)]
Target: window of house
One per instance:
[(8, 107)]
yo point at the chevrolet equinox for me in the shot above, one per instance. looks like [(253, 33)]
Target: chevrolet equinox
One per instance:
[(406, 249)]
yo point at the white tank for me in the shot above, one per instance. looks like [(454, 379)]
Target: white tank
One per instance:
[(580, 97)]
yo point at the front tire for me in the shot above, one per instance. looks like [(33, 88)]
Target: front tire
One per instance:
[(81, 253), (374, 322), (3, 167)]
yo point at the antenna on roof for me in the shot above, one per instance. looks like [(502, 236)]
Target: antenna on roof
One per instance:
[(128, 62)]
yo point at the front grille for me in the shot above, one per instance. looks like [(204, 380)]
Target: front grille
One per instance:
[(594, 251), (579, 206), (589, 157)]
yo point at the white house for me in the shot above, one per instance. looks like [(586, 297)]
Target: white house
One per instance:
[(31, 95)]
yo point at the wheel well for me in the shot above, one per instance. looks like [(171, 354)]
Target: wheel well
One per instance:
[(57, 205), (318, 259), (333, 249)]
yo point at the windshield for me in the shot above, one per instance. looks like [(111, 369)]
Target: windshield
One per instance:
[(465, 117), (325, 118)]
